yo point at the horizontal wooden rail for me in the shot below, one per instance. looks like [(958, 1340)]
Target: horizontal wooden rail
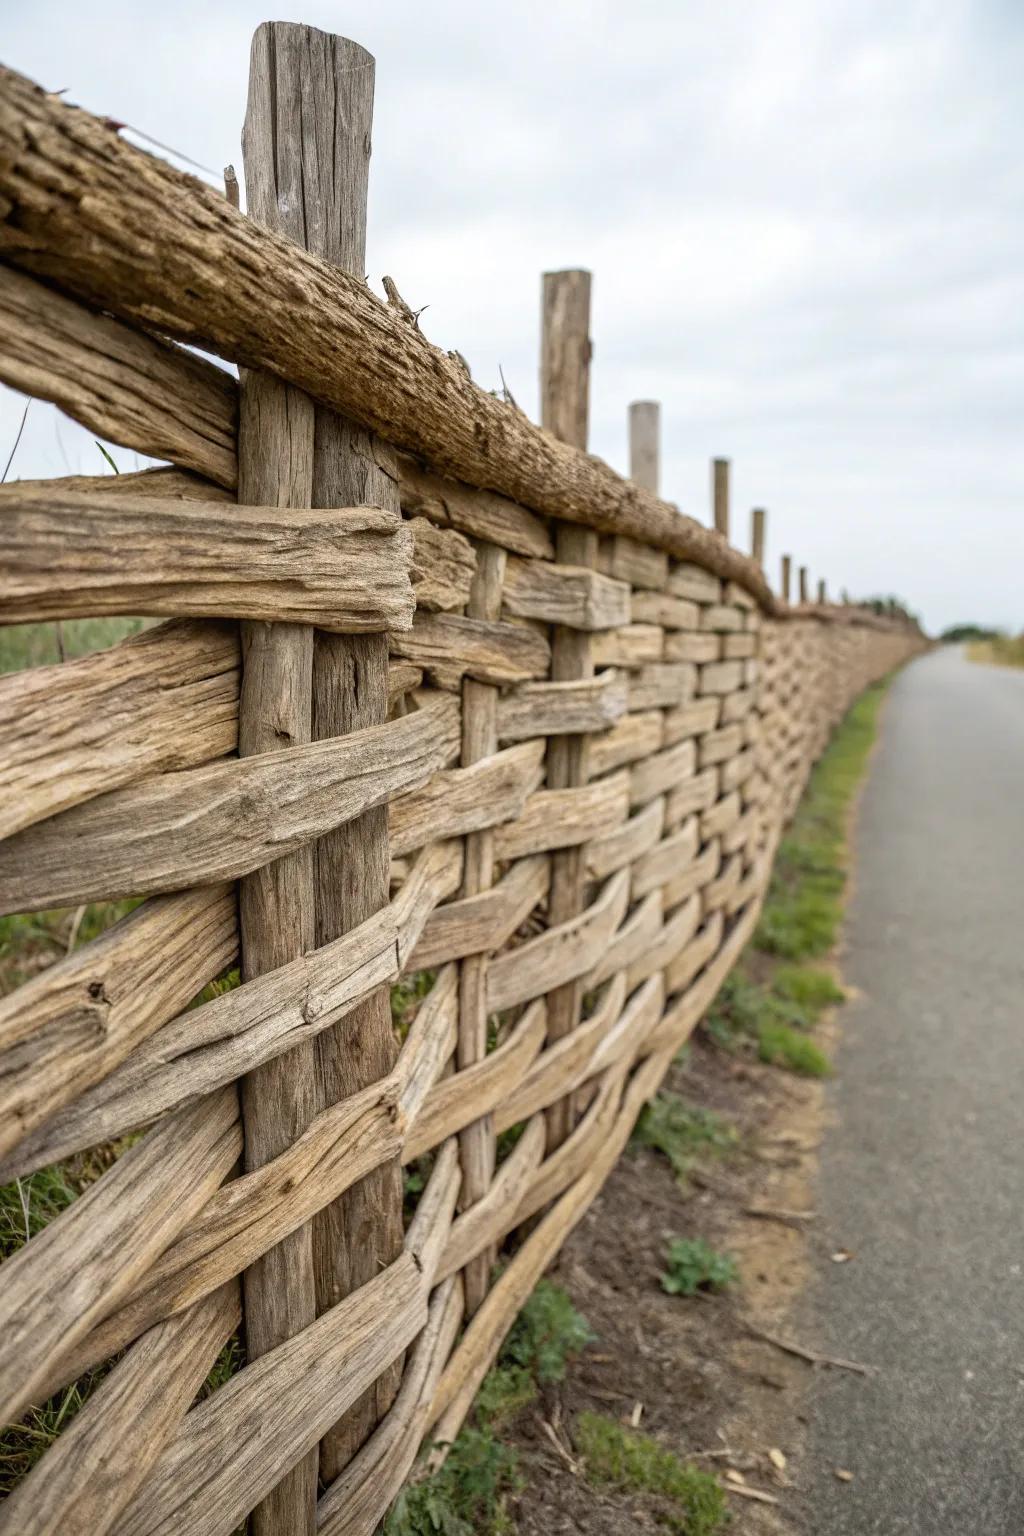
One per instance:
[(68, 555), (256, 299), (223, 820)]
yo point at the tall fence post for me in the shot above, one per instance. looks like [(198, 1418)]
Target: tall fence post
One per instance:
[(803, 584), (757, 521), (275, 903), (644, 440), (720, 495), (787, 569), (479, 740), (565, 408), (822, 591), (321, 88)]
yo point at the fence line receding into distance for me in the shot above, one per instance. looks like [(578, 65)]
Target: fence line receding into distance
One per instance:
[(435, 695)]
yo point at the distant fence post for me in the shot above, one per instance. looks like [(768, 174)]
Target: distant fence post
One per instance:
[(644, 436), (822, 591), (787, 568), (565, 410), (803, 584), (757, 521), (720, 495)]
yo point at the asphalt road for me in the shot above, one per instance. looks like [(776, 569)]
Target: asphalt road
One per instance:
[(922, 1175)]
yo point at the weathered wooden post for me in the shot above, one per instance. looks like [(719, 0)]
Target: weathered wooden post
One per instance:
[(822, 592), (276, 915), (644, 443), (313, 93), (757, 522), (720, 495), (803, 584), (787, 567), (565, 408)]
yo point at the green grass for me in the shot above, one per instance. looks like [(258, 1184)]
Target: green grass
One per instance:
[(683, 1132), (39, 645), (617, 1457), (773, 999), (693, 1265), (467, 1496), (470, 1492), (803, 909), (782, 1046), (808, 988)]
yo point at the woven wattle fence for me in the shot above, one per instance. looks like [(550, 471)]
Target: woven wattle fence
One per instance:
[(437, 695)]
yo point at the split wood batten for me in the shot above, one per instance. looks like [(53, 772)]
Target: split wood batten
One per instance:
[(532, 745)]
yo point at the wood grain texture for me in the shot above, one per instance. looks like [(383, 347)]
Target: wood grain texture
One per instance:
[(77, 1268), (252, 1216), (484, 922), (221, 821), (207, 1047), (477, 1088), (164, 699), (68, 555), (561, 954), (461, 800), (128, 387), (215, 1469), (451, 646), (628, 842), (479, 741), (563, 594), (294, 314), (443, 565), (565, 818), (357, 1500), (562, 709), (482, 514), (94, 1469), (276, 909), (70, 1027)]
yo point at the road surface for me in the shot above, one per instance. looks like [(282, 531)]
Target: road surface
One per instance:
[(922, 1175)]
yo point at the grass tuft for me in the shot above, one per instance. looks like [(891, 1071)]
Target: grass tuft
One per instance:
[(693, 1265), (467, 1496), (683, 1132), (470, 1492), (622, 1458), (802, 913), (780, 1045)]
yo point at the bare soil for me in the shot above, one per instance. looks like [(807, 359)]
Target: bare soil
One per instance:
[(689, 1371)]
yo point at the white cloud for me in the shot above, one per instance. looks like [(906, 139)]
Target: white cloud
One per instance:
[(805, 223)]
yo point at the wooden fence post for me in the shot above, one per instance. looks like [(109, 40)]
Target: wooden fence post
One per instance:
[(822, 591), (787, 567), (720, 495), (565, 400), (803, 584), (479, 739), (322, 90), (644, 439), (757, 522), (275, 904)]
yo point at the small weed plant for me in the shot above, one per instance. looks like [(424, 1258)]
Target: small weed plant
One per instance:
[(683, 1132), (693, 1265), (470, 1492), (467, 1496)]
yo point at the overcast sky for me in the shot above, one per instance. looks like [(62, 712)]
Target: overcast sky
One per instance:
[(805, 220)]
